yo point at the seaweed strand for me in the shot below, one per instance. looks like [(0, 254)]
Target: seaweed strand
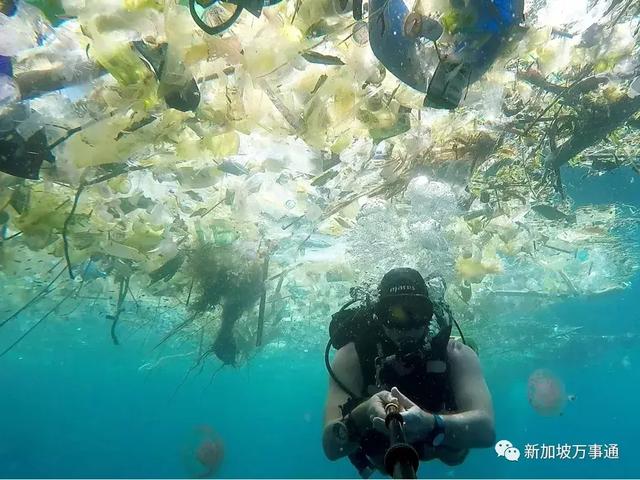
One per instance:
[(263, 298), (122, 294), (81, 187), (41, 294), (35, 325), (176, 330), (65, 227)]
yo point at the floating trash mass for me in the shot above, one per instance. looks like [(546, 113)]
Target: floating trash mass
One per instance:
[(236, 183)]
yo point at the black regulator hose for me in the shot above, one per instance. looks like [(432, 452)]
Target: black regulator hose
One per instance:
[(328, 363), (401, 460), (218, 29), (332, 373)]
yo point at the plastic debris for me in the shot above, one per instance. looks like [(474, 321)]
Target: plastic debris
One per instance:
[(165, 164)]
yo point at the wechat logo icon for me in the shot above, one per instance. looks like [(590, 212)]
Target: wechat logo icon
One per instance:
[(504, 448)]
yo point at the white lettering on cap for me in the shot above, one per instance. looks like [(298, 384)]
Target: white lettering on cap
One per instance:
[(402, 288)]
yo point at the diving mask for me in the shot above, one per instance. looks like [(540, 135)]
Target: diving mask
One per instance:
[(406, 313)]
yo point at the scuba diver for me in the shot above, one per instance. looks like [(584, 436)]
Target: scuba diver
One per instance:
[(442, 54), (437, 48), (398, 350)]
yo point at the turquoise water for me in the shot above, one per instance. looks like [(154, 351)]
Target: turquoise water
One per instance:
[(86, 411), (75, 405)]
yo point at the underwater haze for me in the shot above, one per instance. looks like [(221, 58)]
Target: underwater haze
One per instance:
[(75, 405), (190, 190)]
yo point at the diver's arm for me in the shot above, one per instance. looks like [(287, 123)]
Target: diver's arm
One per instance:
[(346, 367), (474, 425)]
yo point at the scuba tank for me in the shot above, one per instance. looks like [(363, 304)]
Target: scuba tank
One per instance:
[(199, 7)]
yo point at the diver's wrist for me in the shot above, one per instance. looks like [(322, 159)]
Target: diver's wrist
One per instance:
[(434, 429), (353, 430), (427, 424), (361, 415)]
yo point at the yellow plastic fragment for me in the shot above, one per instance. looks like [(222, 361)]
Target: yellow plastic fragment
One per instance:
[(120, 184), (222, 145), (122, 251), (43, 219), (144, 237), (97, 144), (133, 5), (475, 270)]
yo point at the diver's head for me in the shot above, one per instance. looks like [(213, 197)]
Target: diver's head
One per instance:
[(404, 308)]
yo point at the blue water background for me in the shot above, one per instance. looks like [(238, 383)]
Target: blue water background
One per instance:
[(72, 404)]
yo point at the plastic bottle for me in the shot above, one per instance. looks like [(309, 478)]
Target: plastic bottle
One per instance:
[(234, 93), (634, 88)]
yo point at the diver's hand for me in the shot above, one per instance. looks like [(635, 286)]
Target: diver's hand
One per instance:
[(364, 413), (417, 422)]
